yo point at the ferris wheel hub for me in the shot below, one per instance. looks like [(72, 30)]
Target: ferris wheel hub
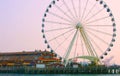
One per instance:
[(79, 25)]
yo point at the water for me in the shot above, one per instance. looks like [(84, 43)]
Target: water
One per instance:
[(60, 75)]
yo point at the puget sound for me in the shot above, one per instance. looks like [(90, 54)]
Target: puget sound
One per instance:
[(59, 75)]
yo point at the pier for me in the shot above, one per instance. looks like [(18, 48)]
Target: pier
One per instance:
[(64, 70)]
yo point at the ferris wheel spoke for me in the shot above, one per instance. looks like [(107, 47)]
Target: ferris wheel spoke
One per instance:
[(79, 9), (60, 35), (109, 34), (99, 25), (84, 10), (96, 44), (63, 12), (97, 20), (64, 40), (95, 14), (58, 29), (57, 22), (90, 10), (74, 8), (98, 38), (59, 16), (68, 9)]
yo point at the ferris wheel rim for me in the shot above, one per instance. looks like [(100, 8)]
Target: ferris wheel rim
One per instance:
[(110, 15)]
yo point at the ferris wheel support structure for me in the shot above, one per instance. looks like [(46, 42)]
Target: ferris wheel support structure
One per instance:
[(90, 49)]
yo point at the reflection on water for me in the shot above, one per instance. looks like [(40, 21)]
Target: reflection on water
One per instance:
[(59, 75)]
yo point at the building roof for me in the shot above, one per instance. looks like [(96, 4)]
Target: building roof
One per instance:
[(21, 53)]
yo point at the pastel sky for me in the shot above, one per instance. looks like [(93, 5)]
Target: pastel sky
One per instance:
[(20, 25)]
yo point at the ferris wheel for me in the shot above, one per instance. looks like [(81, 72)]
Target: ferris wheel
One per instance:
[(84, 29)]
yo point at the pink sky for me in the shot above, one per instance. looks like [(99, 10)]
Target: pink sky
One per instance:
[(20, 25)]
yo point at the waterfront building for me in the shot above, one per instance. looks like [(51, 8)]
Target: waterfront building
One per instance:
[(24, 58)]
